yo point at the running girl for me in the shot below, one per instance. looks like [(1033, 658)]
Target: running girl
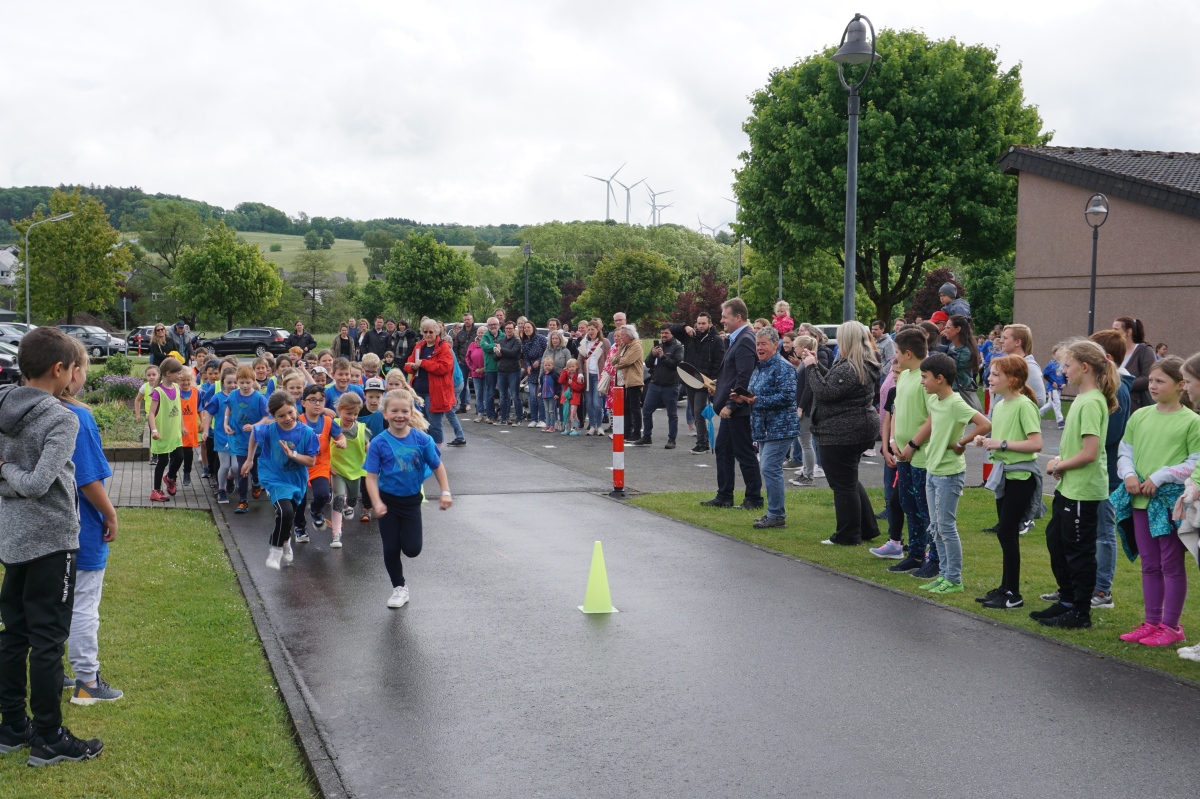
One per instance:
[(346, 464), (166, 429), (287, 448), (215, 409), (327, 431), (189, 407), (245, 408), (398, 461)]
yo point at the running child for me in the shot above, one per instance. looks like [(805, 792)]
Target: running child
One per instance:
[(371, 415), (210, 376), (346, 465), (141, 405), (371, 366), (327, 431), (1052, 376), (356, 374), (189, 408), (341, 383), (262, 374), (244, 408), (166, 429), (1016, 478), (325, 360), (1159, 452), (287, 449), (398, 462), (389, 363), (214, 410)]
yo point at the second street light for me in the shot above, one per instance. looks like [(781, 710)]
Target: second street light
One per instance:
[(25, 255), (1096, 215), (527, 250), (853, 49)]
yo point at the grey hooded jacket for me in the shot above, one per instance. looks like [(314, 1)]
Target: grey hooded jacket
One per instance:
[(39, 512)]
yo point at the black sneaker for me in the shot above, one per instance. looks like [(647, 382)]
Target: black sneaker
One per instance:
[(716, 503), (749, 506), (1057, 609), (699, 449), (1006, 600), (767, 521), (187, 479), (15, 737), (995, 592), (927, 572), (458, 442), (1073, 619), (670, 444), (67, 747), (995, 528), (909, 564), (644, 441)]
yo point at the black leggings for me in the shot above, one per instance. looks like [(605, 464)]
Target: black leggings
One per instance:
[(320, 491), (285, 515), (174, 459), (400, 529), (188, 455), (1010, 510)]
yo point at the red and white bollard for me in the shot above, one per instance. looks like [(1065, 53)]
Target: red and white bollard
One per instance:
[(618, 439)]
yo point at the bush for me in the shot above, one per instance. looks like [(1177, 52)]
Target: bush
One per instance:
[(276, 247), (116, 422), (91, 397), (119, 365), (119, 389)]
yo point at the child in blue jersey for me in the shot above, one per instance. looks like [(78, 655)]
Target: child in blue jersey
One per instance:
[(244, 408), (210, 376), (1055, 382), (341, 383), (287, 449), (371, 415), (212, 414), (398, 462)]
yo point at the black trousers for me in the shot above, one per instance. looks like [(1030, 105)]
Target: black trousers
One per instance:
[(698, 398), (285, 519), (174, 460), (1071, 540), (36, 600), (1011, 509), (210, 455), (633, 413), (188, 456), (400, 529), (851, 505), (320, 491), (734, 445)]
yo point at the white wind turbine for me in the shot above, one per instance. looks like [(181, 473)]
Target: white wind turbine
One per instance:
[(609, 193), (655, 207), (627, 189)]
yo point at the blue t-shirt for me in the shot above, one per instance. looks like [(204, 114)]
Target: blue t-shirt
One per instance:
[(243, 411), (332, 395), (402, 464), (283, 477), (335, 429), (90, 466), (214, 406), (374, 422)]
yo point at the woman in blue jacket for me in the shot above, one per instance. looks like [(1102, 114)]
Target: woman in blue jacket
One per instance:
[(773, 420)]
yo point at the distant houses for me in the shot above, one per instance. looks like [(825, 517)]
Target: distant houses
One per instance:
[(8, 265)]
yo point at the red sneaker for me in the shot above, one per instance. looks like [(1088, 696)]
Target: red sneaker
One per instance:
[(1163, 636), (1134, 636), (158, 496), (170, 484), (366, 517)]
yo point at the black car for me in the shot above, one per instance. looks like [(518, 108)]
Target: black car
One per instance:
[(97, 340), (246, 340), (139, 336), (9, 371)]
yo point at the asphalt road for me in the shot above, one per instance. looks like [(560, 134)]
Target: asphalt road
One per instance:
[(729, 671)]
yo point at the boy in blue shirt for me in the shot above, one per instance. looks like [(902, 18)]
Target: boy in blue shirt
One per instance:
[(1055, 382), (341, 384), (244, 408)]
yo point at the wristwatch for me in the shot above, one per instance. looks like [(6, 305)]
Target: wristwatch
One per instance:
[(1003, 446), (915, 446)]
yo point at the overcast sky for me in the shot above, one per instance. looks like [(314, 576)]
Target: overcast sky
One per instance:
[(485, 112)]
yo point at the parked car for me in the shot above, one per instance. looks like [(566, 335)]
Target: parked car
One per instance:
[(139, 336), (246, 340), (24, 328), (10, 372), (11, 334), (96, 339)]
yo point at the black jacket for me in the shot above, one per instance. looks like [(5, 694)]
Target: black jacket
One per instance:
[(510, 355), (662, 370), (844, 412), (705, 351), (403, 342), (736, 368), (462, 340), (304, 341), (374, 341)]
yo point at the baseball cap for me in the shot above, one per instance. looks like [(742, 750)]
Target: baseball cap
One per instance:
[(319, 370), (940, 316), (374, 384)]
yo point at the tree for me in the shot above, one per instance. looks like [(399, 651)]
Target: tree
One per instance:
[(926, 300), (989, 287), (225, 277), (571, 290), (312, 240), (170, 227), (708, 297), (642, 284), (427, 278), (327, 239), (544, 294), (379, 245), (372, 300), (77, 263), (935, 117), (312, 276), (483, 255)]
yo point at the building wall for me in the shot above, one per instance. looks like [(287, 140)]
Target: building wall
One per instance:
[(1147, 267)]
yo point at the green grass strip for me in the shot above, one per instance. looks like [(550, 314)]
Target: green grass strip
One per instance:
[(201, 715), (811, 520)]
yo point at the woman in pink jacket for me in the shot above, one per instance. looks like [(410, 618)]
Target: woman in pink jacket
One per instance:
[(475, 370)]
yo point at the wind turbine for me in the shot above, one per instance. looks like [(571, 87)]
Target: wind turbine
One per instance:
[(627, 189), (738, 212), (654, 203), (712, 231), (607, 182)]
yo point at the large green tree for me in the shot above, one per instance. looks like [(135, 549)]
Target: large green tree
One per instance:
[(77, 263), (642, 284), (312, 276), (935, 117), (990, 285), (225, 277), (812, 286), (427, 278), (545, 277), (372, 300)]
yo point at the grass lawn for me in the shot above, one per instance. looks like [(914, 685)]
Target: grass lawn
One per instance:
[(201, 715), (345, 252), (811, 519)]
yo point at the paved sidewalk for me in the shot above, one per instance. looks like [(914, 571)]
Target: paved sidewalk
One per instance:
[(131, 482)]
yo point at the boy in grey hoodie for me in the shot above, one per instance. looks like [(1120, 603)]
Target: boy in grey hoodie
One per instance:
[(38, 543)]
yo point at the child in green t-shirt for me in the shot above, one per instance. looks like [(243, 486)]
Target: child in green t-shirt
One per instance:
[(908, 415), (945, 466), (1082, 475)]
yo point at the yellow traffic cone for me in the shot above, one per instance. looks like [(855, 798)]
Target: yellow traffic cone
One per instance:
[(597, 598)]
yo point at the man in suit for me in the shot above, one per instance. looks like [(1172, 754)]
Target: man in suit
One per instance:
[(733, 437)]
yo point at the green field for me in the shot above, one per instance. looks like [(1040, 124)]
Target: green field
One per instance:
[(345, 252)]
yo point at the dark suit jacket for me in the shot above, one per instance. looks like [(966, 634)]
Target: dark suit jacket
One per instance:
[(736, 368)]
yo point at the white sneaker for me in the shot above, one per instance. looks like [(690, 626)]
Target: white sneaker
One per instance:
[(274, 555), (828, 541), (399, 597), (818, 472), (287, 553), (532, 424), (1026, 527), (1190, 652), (871, 453), (692, 432), (336, 543), (541, 425)]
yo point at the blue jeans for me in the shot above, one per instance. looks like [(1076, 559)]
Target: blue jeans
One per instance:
[(478, 381), (464, 393), (535, 397), (942, 493), (510, 402), (911, 486), (770, 456), (595, 403), (660, 397), (550, 410), (455, 425), (435, 421), (1106, 546), (490, 381)]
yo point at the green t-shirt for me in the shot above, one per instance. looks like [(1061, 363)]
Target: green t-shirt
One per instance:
[(911, 412), (948, 418), (1088, 417), (1160, 439), (489, 357), (1015, 420)]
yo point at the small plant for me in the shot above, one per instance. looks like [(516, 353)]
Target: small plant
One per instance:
[(276, 247), (119, 365), (116, 388), (116, 422), (91, 397)]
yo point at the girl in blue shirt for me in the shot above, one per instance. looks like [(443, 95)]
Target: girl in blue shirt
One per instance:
[(286, 449), (212, 410), (245, 408), (398, 462)]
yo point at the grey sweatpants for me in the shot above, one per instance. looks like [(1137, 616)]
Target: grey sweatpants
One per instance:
[(83, 648)]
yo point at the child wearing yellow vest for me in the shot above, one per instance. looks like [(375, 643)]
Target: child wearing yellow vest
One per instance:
[(166, 429), (347, 464)]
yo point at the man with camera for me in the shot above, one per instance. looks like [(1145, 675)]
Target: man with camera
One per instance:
[(704, 349), (663, 391)]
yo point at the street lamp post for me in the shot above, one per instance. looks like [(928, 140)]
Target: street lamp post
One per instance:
[(527, 251), (59, 218), (853, 49), (1096, 213)]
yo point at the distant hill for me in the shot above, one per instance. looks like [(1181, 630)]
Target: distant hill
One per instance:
[(125, 205)]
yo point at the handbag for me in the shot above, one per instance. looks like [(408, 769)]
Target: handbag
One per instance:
[(604, 384)]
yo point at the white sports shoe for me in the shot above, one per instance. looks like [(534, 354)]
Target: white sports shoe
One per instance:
[(532, 424), (287, 553), (336, 543), (541, 425), (274, 555), (1190, 652), (399, 597), (818, 472)]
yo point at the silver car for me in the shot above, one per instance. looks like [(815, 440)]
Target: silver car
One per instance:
[(11, 334)]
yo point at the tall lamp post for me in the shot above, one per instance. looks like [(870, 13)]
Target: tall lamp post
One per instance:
[(1096, 214), (853, 49), (527, 250), (59, 218)]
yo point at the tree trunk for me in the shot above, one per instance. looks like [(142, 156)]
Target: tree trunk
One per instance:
[(229, 322), (70, 313)]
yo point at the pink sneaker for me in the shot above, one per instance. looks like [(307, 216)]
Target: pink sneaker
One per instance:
[(892, 550), (1163, 636), (1134, 636), (158, 496)]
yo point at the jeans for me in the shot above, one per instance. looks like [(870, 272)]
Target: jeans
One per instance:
[(697, 401), (942, 492), (510, 401), (478, 381), (83, 648), (852, 507), (910, 485), (1106, 546), (455, 425), (490, 381), (802, 446), (435, 420), (535, 397), (550, 410), (771, 455), (661, 397), (464, 392), (733, 444), (595, 403), (1071, 541)]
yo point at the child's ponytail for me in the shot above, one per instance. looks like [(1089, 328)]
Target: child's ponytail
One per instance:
[(1088, 352)]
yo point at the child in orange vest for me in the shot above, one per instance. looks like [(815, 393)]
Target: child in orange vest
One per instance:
[(189, 407), (320, 490)]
